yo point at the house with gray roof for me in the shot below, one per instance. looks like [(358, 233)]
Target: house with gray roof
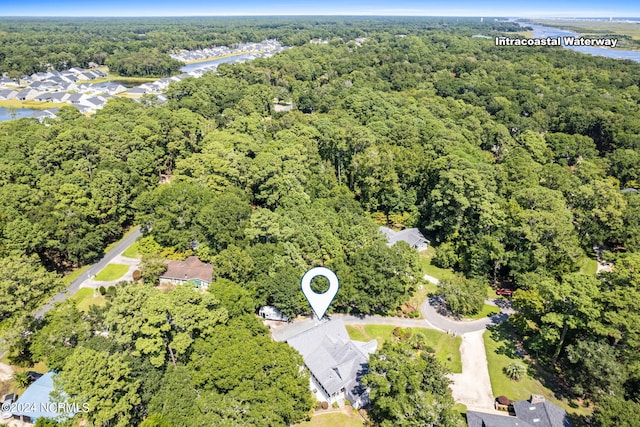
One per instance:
[(45, 114), (336, 362), (28, 93), (6, 81), (412, 236), (58, 97), (74, 98), (8, 94), (137, 91), (535, 412)]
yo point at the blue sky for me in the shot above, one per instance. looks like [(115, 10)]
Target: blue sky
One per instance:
[(565, 8)]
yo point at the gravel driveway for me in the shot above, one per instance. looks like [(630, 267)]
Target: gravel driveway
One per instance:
[(473, 387)]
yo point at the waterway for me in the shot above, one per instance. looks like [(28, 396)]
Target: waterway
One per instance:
[(17, 113), (540, 31), (235, 58)]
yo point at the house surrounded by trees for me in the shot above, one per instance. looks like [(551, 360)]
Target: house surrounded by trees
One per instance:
[(336, 362), (191, 269)]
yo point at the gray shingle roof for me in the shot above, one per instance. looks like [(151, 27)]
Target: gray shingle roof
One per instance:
[(541, 414), (334, 360), (412, 236), (481, 419)]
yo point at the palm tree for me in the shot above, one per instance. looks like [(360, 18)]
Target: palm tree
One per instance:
[(22, 378), (515, 371)]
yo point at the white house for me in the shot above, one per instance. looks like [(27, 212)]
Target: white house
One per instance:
[(412, 236), (336, 362)]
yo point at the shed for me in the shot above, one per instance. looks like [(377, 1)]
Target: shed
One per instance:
[(269, 312)]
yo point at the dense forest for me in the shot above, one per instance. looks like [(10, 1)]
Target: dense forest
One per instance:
[(513, 160), (31, 45)]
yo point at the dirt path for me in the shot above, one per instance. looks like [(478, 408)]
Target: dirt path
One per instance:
[(6, 372), (473, 386)]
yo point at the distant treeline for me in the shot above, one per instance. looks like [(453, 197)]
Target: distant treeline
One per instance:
[(30, 45)]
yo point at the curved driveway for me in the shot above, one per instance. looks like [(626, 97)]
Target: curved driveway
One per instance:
[(429, 310), (432, 319), (70, 290)]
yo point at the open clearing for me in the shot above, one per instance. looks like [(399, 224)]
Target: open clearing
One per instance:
[(447, 347), (112, 272), (501, 351), (334, 419), (85, 298), (601, 28)]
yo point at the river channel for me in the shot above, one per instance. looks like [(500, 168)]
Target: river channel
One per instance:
[(540, 31)]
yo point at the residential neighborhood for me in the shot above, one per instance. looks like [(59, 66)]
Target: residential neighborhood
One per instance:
[(74, 86), (316, 220)]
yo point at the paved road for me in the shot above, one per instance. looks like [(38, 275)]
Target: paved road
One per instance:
[(430, 306), (429, 310), (70, 290)]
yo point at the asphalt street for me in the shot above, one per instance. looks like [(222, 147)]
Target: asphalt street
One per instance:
[(70, 290)]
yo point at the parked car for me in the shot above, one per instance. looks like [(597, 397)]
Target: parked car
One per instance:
[(505, 292), (6, 405)]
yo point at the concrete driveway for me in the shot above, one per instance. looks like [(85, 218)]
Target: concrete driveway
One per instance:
[(473, 387)]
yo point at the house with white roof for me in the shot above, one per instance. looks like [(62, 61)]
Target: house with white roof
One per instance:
[(336, 362)]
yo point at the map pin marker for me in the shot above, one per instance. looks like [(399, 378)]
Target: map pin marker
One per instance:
[(319, 302)]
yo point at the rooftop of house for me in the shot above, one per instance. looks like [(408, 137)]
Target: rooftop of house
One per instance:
[(541, 413), (332, 357), (412, 236), (36, 401), (190, 269), (535, 412)]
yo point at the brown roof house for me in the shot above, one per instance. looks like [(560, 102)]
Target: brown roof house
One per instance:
[(189, 270)]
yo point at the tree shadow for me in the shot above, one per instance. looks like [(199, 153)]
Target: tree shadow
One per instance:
[(502, 333)]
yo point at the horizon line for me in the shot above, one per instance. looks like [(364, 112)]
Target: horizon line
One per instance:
[(369, 15)]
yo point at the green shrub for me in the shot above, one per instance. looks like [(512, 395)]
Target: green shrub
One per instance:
[(515, 371)]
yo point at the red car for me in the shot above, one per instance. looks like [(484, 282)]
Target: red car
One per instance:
[(504, 292)]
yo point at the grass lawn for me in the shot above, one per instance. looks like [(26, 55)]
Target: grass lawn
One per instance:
[(596, 27), (500, 353), (487, 310), (333, 419), (112, 272), (84, 298), (35, 105), (589, 266), (439, 273), (128, 80), (131, 251), (447, 347)]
